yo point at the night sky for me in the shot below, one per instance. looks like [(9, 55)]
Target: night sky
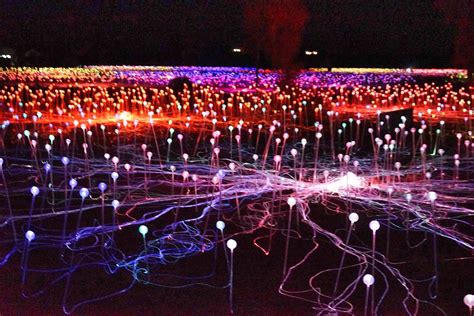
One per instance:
[(398, 33)]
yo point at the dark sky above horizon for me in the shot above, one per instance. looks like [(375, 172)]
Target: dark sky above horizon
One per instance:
[(346, 32)]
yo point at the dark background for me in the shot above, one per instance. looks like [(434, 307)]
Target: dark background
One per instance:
[(396, 33)]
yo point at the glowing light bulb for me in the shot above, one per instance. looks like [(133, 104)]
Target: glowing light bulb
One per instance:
[(374, 226), (30, 236), (65, 161), (220, 225), (34, 191), (115, 204), (231, 244), (469, 300), (72, 183), (353, 218), (114, 175), (291, 201), (143, 230), (84, 193), (368, 280), (102, 187)]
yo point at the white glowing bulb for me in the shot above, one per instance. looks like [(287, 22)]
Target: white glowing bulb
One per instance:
[(72, 183), (353, 218), (469, 300), (231, 244), (30, 235), (432, 196), (368, 279), (291, 201), (143, 230), (220, 225), (114, 175), (374, 225), (84, 193), (115, 204), (34, 191)]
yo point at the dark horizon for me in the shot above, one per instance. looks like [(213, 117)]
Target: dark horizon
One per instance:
[(345, 33)]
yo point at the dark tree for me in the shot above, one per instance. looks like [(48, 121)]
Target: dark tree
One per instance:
[(274, 29), (460, 13)]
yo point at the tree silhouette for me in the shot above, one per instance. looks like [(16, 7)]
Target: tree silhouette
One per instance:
[(461, 13), (274, 29)]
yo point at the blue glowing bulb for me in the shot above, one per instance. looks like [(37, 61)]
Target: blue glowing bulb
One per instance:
[(30, 235), (65, 161), (143, 230), (102, 186), (72, 183), (84, 193), (34, 191)]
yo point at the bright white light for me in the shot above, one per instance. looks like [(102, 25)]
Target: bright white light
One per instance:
[(115, 204), (143, 230), (291, 201), (374, 225), (469, 300), (29, 235), (237, 50), (84, 193), (125, 116), (432, 196), (350, 180), (368, 279), (231, 244), (353, 217), (220, 225), (72, 183)]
